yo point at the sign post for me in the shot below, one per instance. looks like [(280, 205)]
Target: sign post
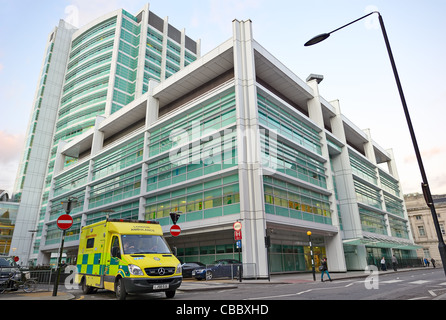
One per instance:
[(175, 230), (64, 222), (238, 243)]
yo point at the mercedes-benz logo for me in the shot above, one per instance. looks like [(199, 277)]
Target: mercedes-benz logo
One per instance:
[(161, 271)]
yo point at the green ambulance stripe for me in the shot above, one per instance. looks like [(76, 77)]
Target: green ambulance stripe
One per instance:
[(90, 264)]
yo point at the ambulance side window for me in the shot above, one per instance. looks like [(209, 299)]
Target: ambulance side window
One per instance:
[(115, 248), (90, 243)]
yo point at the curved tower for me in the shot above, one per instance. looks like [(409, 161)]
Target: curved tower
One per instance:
[(106, 64)]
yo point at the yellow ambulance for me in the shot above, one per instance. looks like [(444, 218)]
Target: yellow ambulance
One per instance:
[(126, 256)]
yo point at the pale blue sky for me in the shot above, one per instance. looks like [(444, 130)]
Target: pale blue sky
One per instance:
[(353, 61)]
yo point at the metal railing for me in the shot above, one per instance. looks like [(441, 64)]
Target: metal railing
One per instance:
[(402, 263)]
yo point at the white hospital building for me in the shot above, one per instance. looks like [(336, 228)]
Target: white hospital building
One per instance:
[(137, 123)]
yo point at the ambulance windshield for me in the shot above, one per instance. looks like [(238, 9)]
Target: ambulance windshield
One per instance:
[(142, 244)]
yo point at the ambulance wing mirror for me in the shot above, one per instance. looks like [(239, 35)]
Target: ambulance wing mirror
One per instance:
[(116, 252)]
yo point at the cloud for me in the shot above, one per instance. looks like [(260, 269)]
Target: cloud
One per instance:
[(11, 146), (10, 152), (81, 12), (438, 184), (428, 154), (223, 11)]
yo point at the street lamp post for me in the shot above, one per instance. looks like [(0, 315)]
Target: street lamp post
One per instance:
[(424, 184), (312, 256)]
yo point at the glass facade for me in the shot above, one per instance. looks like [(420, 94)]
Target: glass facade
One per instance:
[(120, 187), (275, 117), (118, 159), (283, 158), (384, 196), (128, 52), (200, 201), (8, 217), (200, 121), (287, 257), (186, 150), (208, 251), (86, 81), (372, 221), (285, 199)]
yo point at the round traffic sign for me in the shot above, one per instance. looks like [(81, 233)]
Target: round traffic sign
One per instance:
[(175, 230), (64, 222), (237, 226)]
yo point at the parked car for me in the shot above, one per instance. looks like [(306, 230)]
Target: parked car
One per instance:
[(189, 267), (9, 267), (219, 269)]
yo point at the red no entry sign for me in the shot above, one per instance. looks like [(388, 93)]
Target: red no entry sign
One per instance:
[(175, 230), (237, 226), (64, 222)]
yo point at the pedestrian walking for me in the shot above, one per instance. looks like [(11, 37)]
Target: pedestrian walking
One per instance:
[(324, 269), (383, 264), (433, 262), (394, 262)]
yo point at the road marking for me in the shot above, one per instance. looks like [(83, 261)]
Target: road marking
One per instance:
[(299, 293), (390, 281), (442, 297), (443, 284), (433, 294), (279, 296), (419, 298), (419, 282)]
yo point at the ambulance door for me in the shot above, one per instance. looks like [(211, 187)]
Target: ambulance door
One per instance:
[(115, 256), (113, 253)]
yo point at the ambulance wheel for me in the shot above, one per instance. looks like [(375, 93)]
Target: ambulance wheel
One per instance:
[(170, 294), (86, 289), (121, 294)]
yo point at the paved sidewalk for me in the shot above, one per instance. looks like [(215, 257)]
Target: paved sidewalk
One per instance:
[(37, 295), (194, 285)]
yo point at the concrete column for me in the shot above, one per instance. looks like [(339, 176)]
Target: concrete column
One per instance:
[(152, 109), (333, 244), (370, 154), (114, 64), (342, 172), (96, 146), (394, 172), (249, 157), (164, 52), (142, 51)]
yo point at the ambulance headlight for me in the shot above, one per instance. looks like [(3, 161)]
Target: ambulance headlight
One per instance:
[(179, 268), (135, 270)]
